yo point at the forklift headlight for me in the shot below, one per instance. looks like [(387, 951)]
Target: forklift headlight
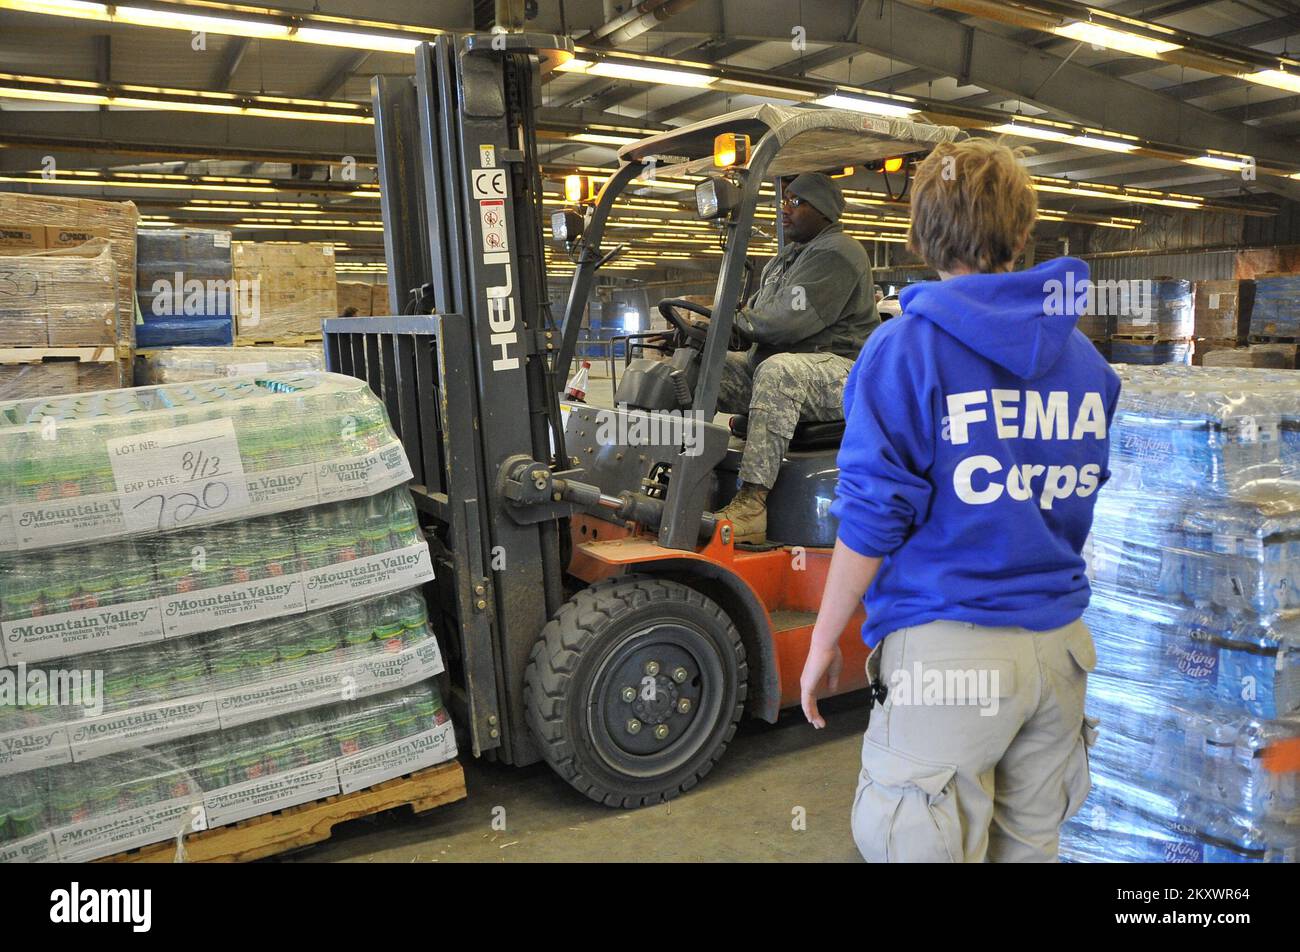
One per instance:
[(566, 225), (715, 197)]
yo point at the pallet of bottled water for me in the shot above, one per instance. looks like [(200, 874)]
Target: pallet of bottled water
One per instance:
[(1194, 561), (140, 796), (210, 608)]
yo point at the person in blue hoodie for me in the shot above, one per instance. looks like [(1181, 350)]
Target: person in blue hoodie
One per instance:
[(976, 442)]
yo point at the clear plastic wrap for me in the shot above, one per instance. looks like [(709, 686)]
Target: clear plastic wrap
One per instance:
[(1224, 431), (356, 294), (135, 797), (187, 364), (1276, 312), (184, 288), (150, 459), (1114, 827), (1145, 352), (58, 215), (46, 378), (143, 695), (296, 289), (138, 590), (1169, 315), (1194, 561), (61, 298)]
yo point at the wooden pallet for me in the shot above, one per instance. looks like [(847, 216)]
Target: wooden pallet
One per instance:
[(37, 355), (310, 823), (1150, 339), (299, 340), (1266, 339)]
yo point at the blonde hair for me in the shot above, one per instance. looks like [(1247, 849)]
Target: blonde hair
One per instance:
[(973, 204)]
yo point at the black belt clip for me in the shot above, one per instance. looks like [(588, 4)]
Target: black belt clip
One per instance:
[(879, 691)]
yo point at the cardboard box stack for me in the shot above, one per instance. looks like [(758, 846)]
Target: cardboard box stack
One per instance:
[(185, 288), (58, 319), (1195, 610), (1222, 319), (66, 298), (356, 294), (32, 372), (238, 564), (296, 289), (379, 301), (71, 221)]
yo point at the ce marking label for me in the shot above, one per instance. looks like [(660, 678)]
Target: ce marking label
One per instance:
[(489, 183)]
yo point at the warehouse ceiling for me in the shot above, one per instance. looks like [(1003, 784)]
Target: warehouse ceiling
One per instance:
[(1194, 101)]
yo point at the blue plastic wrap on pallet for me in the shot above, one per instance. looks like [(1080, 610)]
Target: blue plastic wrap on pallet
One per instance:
[(1146, 354), (1160, 309), (186, 331), (1194, 562), (1277, 307)]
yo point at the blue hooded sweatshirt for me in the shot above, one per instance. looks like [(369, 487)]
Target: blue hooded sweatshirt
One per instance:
[(976, 440)]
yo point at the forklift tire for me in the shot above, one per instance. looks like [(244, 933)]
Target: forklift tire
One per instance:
[(635, 688)]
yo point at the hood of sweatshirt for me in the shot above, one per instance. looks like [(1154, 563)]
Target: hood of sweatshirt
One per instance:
[(1019, 320)]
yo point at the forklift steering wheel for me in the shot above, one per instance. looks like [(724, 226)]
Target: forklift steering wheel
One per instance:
[(698, 330), (693, 330)]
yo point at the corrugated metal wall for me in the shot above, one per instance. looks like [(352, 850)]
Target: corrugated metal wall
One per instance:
[(1194, 266)]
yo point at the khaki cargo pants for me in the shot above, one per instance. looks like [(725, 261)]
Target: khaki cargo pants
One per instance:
[(979, 752)]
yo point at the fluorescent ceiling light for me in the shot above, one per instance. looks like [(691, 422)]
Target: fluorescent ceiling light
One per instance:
[(1221, 162), (1112, 39), (1027, 131), (872, 106), (649, 74), (200, 23), (1276, 78), (1107, 145), (269, 26), (1115, 196), (292, 227), (750, 88), (575, 65), (603, 138), (59, 8), (98, 183), (226, 108), (353, 40), (1030, 131)]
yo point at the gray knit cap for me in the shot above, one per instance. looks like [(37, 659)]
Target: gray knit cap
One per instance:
[(821, 192)]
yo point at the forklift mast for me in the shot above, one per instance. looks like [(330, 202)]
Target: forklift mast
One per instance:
[(462, 366)]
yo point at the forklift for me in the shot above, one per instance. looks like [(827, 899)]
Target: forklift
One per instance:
[(595, 612)]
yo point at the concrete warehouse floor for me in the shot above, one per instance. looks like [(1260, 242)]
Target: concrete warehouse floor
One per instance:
[(742, 811)]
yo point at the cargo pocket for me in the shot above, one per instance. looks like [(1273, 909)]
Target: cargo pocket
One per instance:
[(1078, 781), (905, 810), (1078, 642)]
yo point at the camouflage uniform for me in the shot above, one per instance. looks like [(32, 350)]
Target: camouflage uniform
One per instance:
[(784, 390), (813, 311)]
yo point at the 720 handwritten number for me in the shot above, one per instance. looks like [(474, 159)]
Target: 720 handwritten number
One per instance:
[(181, 507)]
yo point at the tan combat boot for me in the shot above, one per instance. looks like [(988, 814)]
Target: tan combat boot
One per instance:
[(747, 513)]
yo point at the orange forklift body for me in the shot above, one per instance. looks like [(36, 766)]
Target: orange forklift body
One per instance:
[(771, 594)]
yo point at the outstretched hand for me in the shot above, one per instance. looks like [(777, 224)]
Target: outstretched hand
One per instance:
[(821, 663)]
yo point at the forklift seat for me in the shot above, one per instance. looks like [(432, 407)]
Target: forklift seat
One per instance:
[(808, 436)]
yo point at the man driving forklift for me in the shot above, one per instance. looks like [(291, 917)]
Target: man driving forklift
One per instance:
[(812, 313)]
